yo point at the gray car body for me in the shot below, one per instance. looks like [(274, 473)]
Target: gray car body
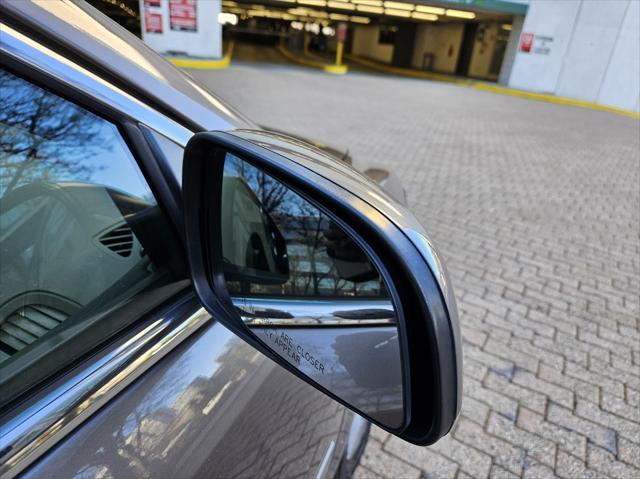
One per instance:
[(181, 396)]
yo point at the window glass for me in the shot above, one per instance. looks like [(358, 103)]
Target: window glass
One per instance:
[(277, 243), (80, 232)]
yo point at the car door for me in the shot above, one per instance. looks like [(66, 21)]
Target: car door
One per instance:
[(109, 365)]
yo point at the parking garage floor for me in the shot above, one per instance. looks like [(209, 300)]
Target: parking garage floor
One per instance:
[(536, 210)]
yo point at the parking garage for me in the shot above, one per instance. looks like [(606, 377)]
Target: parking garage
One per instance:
[(466, 39), (462, 38), (579, 52)]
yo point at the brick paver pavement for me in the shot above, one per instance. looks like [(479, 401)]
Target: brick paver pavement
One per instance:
[(535, 208)]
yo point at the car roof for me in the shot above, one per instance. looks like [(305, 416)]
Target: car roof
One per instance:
[(77, 30)]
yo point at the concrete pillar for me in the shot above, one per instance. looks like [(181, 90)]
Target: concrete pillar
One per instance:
[(366, 44), (182, 27)]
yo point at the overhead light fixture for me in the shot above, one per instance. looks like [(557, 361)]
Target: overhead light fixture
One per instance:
[(312, 27), (355, 19), (399, 6), (297, 25), (460, 14), (397, 13), (371, 3), (370, 9), (341, 5), (228, 3), (339, 17), (225, 18), (315, 3), (328, 31), (424, 16), (427, 9), (507, 26)]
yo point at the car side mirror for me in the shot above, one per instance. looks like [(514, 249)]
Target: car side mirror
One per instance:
[(316, 267)]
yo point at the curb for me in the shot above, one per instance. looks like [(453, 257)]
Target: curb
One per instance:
[(408, 72), (560, 100), (329, 68), (204, 64)]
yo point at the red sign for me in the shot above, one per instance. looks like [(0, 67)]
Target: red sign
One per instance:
[(526, 41), (151, 3), (152, 21), (182, 15), (341, 32)]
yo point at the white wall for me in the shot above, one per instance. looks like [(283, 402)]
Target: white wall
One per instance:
[(591, 46), (538, 72), (365, 44), (439, 40), (594, 53), (622, 79), (206, 42)]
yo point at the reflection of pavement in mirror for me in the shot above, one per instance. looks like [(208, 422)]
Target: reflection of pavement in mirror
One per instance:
[(534, 207), (359, 364)]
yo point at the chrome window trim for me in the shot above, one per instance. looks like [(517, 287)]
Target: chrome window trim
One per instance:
[(37, 428), (41, 58)]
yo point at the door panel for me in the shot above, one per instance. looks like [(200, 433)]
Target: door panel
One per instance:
[(214, 407)]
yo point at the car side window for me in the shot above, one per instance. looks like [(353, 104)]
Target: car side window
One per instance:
[(277, 243), (81, 234)]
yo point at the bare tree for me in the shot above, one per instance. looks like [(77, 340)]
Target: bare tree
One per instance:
[(43, 136), (309, 233)]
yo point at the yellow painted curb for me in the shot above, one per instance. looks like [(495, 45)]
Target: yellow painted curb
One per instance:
[(329, 68), (407, 72), (492, 88), (553, 99), (202, 64)]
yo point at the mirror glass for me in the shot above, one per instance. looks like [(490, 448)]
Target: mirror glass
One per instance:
[(310, 292)]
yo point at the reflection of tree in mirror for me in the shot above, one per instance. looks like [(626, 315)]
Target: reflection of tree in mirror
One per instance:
[(309, 234), (42, 136)]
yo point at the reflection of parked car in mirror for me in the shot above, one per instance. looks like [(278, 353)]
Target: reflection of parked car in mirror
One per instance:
[(348, 258)]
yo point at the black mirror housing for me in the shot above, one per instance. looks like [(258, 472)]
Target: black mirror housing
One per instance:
[(428, 332)]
